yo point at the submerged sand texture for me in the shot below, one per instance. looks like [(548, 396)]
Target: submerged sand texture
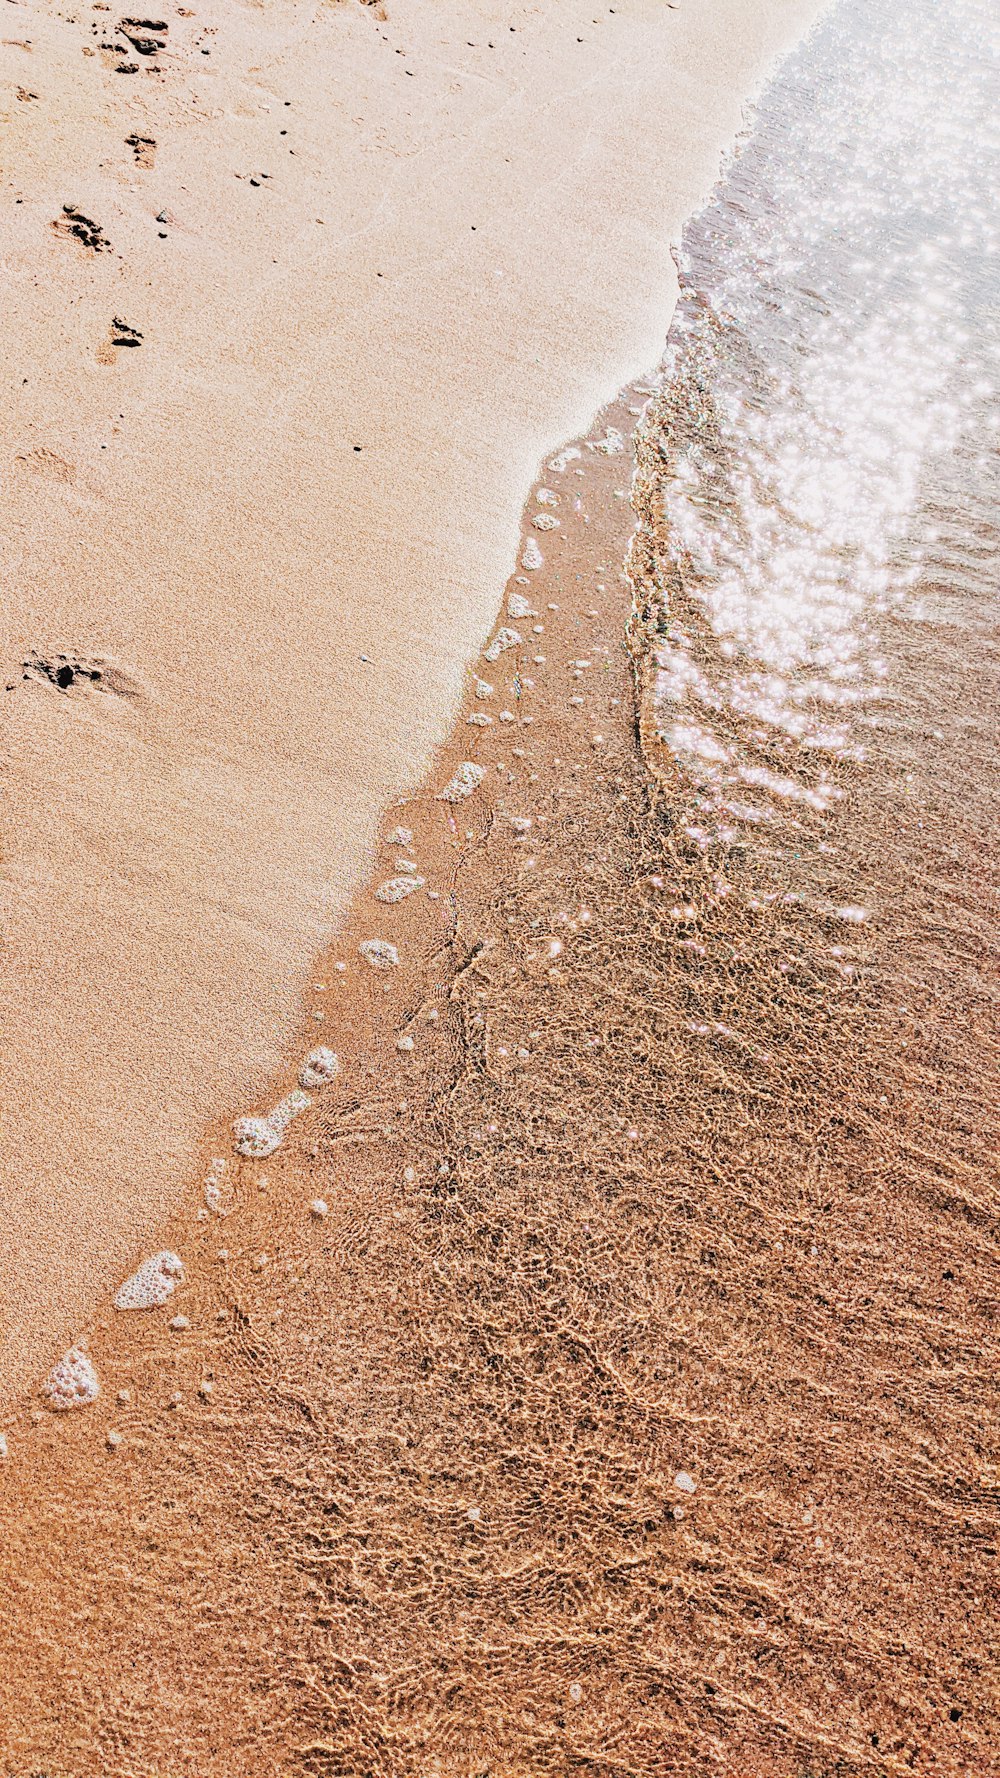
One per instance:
[(375, 266)]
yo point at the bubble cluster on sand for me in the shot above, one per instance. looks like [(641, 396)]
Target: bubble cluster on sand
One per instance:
[(258, 1137), (398, 888), (156, 1280), (483, 689), (611, 445), (379, 953), (478, 719), (546, 497), (72, 1383), (545, 521), (3, 1447), (569, 455), (531, 555), (504, 639), (213, 1186), (467, 778), (319, 1068), (400, 836), (518, 606)]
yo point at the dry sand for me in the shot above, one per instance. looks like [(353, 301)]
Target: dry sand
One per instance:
[(371, 266)]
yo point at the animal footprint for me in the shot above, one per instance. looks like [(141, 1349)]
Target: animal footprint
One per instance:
[(143, 149)]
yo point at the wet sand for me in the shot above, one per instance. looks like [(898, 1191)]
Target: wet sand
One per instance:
[(623, 1412), (298, 301)]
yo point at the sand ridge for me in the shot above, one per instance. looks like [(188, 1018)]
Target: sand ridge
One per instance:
[(299, 296)]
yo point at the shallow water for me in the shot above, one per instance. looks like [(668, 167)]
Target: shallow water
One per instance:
[(823, 461), (816, 562)]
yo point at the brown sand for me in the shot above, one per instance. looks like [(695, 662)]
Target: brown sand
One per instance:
[(407, 1497), (299, 297)]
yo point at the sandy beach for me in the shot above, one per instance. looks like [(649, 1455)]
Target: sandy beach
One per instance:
[(504, 1420), (298, 298), (500, 1057)]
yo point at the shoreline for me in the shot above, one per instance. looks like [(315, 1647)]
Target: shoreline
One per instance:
[(553, 1443), (596, 1375), (72, 1480), (168, 856)]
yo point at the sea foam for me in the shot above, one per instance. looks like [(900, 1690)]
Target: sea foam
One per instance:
[(156, 1280)]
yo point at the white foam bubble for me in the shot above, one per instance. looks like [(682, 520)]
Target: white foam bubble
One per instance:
[(72, 1383), (611, 445), (379, 953), (467, 778), (504, 639), (154, 1281), (569, 455), (531, 556), (398, 888), (289, 1107), (482, 689), (478, 719), (258, 1137), (400, 836), (518, 606), (545, 521), (319, 1068), (213, 1186)]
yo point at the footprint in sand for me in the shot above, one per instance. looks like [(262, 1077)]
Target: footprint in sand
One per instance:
[(120, 334), (42, 461), (68, 672), (146, 36), (143, 151), (73, 225)]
